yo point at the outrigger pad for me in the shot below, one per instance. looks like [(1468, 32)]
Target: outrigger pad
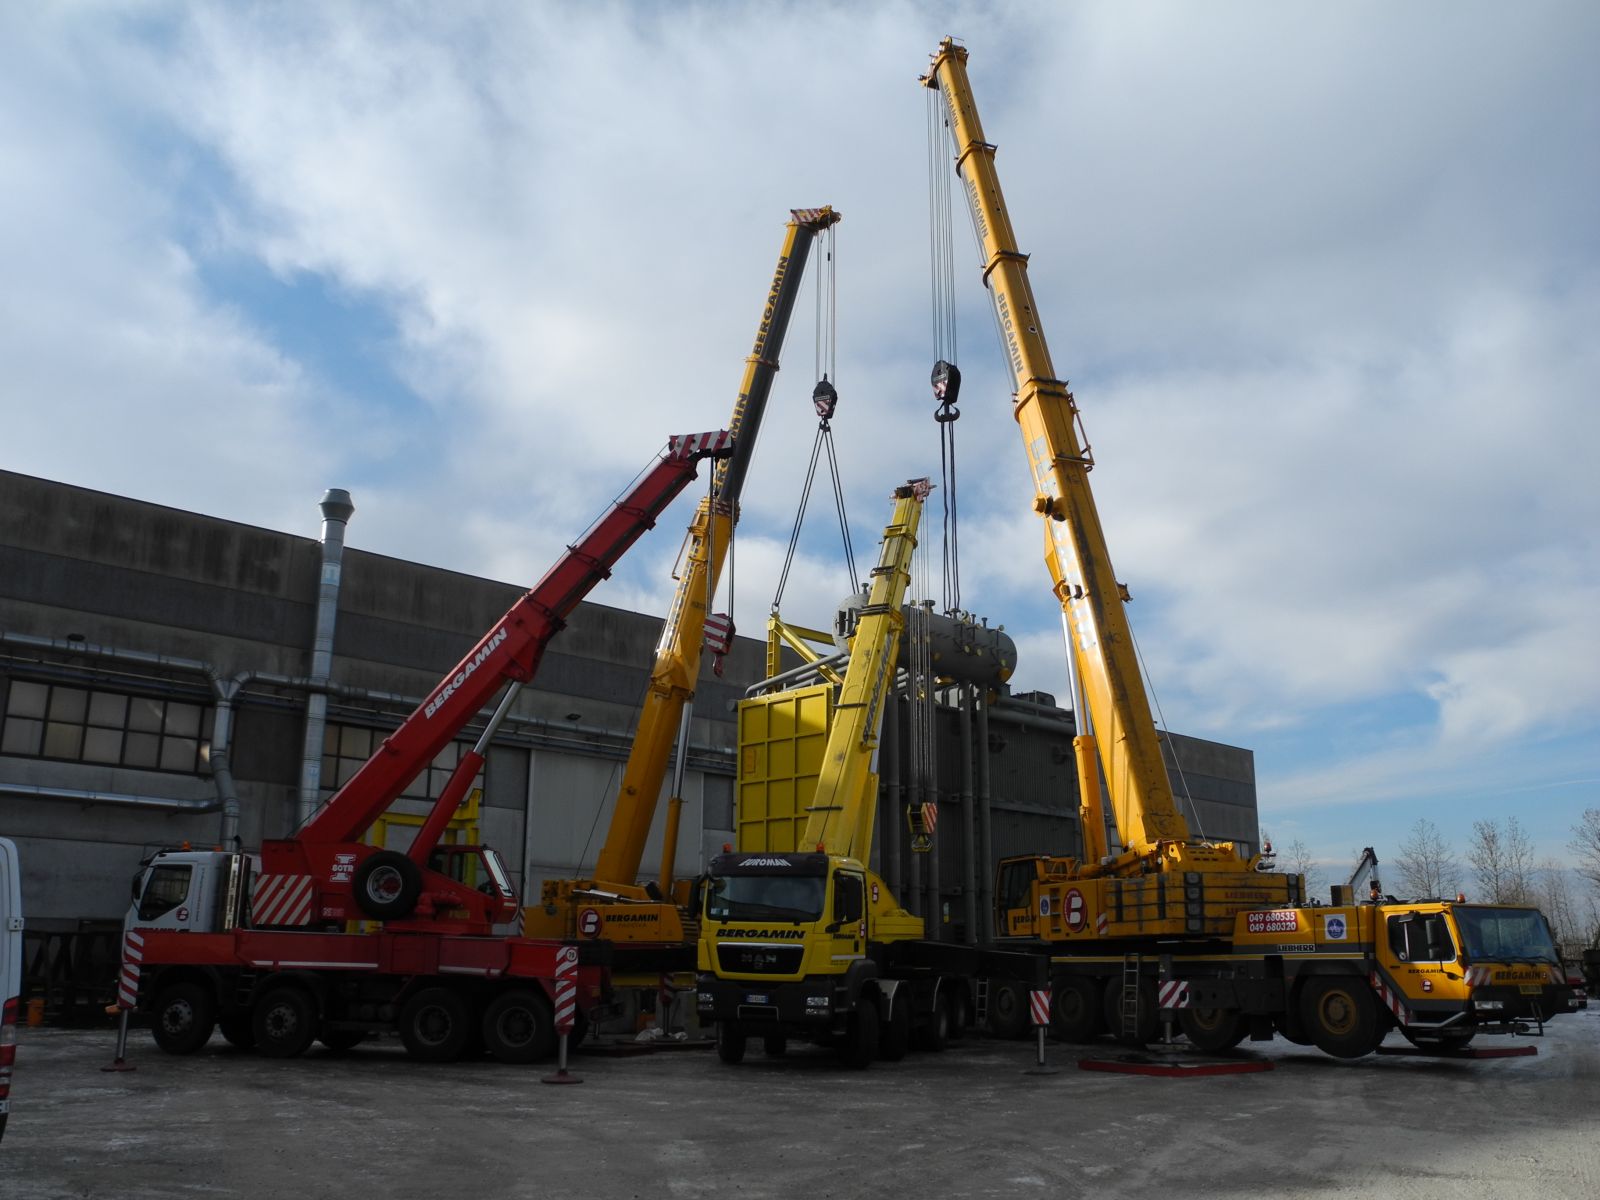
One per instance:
[(1460, 1051), (1138, 1064)]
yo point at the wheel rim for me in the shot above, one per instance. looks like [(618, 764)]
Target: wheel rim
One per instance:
[(433, 1025), (384, 885), (1336, 1012), (515, 1027), (1208, 1020), (178, 1017), (282, 1021)]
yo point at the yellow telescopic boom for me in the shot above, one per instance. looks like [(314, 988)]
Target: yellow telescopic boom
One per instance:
[(1128, 745), (846, 799), (677, 662)]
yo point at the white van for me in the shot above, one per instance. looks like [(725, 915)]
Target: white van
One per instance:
[(10, 969)]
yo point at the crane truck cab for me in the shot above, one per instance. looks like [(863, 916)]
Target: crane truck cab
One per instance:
[(10, 969)]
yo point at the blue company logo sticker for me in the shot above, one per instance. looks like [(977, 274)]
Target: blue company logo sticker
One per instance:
[(1333, 929)]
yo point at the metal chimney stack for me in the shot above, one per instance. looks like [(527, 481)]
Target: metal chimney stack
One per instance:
[(336, 512)]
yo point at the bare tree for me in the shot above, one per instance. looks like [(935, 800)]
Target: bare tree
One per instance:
[(1554, 894), (1297, 860), (1586, 845), (1426, 864), (1503, 861)]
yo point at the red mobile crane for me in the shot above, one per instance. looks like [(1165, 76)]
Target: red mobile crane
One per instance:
[(273, 964)]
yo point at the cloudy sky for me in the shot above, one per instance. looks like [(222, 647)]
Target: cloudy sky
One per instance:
[(1325, 278)]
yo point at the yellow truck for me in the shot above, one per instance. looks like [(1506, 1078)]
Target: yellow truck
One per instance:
[(1168, 921), (799, 938)]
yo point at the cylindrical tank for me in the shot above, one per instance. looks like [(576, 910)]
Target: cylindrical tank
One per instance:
[(963, 649)]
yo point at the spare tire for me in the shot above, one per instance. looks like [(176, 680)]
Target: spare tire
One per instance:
[(387, 885)]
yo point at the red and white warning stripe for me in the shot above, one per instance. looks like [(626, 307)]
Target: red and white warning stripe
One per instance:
[(1039, 1006), (719, 633), (930, 816), (1478, 976), (1174, 993), (566, 988), (281, 900), (1101, 924), (1391, 998), (128, 977), (684, 444)]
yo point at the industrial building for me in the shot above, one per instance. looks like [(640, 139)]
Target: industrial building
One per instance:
[(160, 671)]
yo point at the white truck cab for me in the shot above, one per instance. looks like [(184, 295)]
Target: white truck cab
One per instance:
[(203, 891), (10, 969)]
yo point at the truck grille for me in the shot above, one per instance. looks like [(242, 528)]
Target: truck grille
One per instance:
[(741, 958)]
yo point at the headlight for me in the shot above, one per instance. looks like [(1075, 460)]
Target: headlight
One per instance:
[(1489, 1005), (817, 1001)]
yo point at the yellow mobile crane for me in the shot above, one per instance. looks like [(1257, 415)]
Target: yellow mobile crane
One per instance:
[(1171, 921), (644, 923), (809, 942)]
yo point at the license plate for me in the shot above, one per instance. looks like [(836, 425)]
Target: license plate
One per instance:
[(754, 998), (1529, 989)]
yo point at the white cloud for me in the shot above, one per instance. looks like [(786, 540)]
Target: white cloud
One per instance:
[(1325, 284)]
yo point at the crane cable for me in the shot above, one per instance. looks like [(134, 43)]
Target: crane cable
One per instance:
[(946, 377), (825, 399)]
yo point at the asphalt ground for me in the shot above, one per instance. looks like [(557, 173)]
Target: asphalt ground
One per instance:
[(967, 1122)]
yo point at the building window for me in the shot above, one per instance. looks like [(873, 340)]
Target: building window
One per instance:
[(75, 724), (346, 749)]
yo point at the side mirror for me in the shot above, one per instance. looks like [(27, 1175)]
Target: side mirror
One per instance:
[(696, 888)]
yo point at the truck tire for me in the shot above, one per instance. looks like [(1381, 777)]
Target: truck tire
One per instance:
[(519, 1027), (1008, 1009), (861, 1040), (1076, 1011), (435, 1024), (183, 1018), (960, 1011), (340, 1040), (386, 885), (895, 1038), (1145, 1022), (1213, 1030), (730, 1042), (238, 1030), (285, 1022), (1340, 1014)]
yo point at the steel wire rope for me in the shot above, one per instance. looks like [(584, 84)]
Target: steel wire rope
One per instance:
[(947, 377), (1161, 724)]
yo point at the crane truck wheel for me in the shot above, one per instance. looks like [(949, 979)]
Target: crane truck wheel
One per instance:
[(1341, 1015), (1144, 1024), (1213, 1030), (861, 1039), (519, 1027), (185, 1015), (895, 1037), (1076, 1012), (730, 1042), (1008, 1010), (387, 885), (340, 1040), (434, 1024), (285, 1022)]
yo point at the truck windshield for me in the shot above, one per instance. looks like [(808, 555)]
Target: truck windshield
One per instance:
[(770, 897), (1505, 935)]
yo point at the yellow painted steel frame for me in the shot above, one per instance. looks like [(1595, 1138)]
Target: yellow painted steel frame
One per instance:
[(1076, 552)]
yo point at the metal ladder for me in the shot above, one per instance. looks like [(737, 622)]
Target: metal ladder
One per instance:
[(1130, 995), (981, 990)]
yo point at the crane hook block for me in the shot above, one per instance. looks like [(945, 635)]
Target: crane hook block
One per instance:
[(946, 380), (824, 398)]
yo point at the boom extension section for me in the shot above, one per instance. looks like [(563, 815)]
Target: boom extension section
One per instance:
[(327, 851), (667, 706), (1120, 722)]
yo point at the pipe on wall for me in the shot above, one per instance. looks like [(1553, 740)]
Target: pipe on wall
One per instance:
[(969, 820), (985, 829), (336, 512), (28, 791)]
